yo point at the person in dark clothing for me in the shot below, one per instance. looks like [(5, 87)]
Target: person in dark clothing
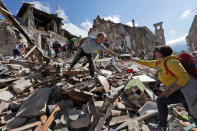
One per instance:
[(16, 53), (56, 48)]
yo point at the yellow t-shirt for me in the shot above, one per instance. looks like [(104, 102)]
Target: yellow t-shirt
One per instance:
[(174, 65)]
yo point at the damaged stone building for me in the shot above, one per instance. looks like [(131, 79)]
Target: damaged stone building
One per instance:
[(39, 25), (134, 38), (191, 39)]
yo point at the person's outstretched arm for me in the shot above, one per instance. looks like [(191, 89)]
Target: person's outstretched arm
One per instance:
[(110, 52)]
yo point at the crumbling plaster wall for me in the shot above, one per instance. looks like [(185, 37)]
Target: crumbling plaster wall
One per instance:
[(27, 19), (136, 38), (7, 39), (192, 36)]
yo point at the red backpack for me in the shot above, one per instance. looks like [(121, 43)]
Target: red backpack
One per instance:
[(188, 63)]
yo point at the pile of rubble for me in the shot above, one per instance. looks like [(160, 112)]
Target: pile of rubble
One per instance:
[(38, 93), (47, 97)]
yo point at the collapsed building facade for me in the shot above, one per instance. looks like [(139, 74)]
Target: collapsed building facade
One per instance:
[(40, 25), (134, 38), (191, 39)]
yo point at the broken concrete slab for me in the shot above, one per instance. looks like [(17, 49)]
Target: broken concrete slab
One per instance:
[(82, 121), (144, 78), (147, 107), (6, 95), (35, 104), (118, 119), (3, 106), (74, 114), (20, 85)]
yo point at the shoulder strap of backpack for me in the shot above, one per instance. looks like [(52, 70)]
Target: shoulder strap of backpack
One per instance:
[(167, 69)]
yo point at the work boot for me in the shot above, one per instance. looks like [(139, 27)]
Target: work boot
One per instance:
[(158, 127)]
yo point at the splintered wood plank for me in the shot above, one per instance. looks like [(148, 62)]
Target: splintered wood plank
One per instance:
[(103, 81), (43, 118), (26, 127), (50, 119), (31, 50)]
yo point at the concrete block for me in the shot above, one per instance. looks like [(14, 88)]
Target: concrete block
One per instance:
[(5, 95), (20, 85)]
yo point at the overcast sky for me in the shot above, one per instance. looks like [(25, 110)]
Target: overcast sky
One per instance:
[(78, 15)]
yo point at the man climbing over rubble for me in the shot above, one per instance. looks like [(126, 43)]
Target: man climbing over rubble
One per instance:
[(87, 46), (180, 87)]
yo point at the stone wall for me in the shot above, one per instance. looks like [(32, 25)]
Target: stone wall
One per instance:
[(134, 38), (7, 39), (192, 36)]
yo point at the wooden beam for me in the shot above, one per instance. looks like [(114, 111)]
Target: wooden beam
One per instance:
[(30, 51), (50, 119), (26, 127)]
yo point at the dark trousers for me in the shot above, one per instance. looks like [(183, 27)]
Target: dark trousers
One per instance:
[(90, 61), (57, 52), (163, 102)]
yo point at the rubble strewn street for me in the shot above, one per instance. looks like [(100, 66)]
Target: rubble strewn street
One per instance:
[(74, 101), (39, 93)]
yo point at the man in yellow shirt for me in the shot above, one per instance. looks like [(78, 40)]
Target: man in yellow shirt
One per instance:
[(175, 84)]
